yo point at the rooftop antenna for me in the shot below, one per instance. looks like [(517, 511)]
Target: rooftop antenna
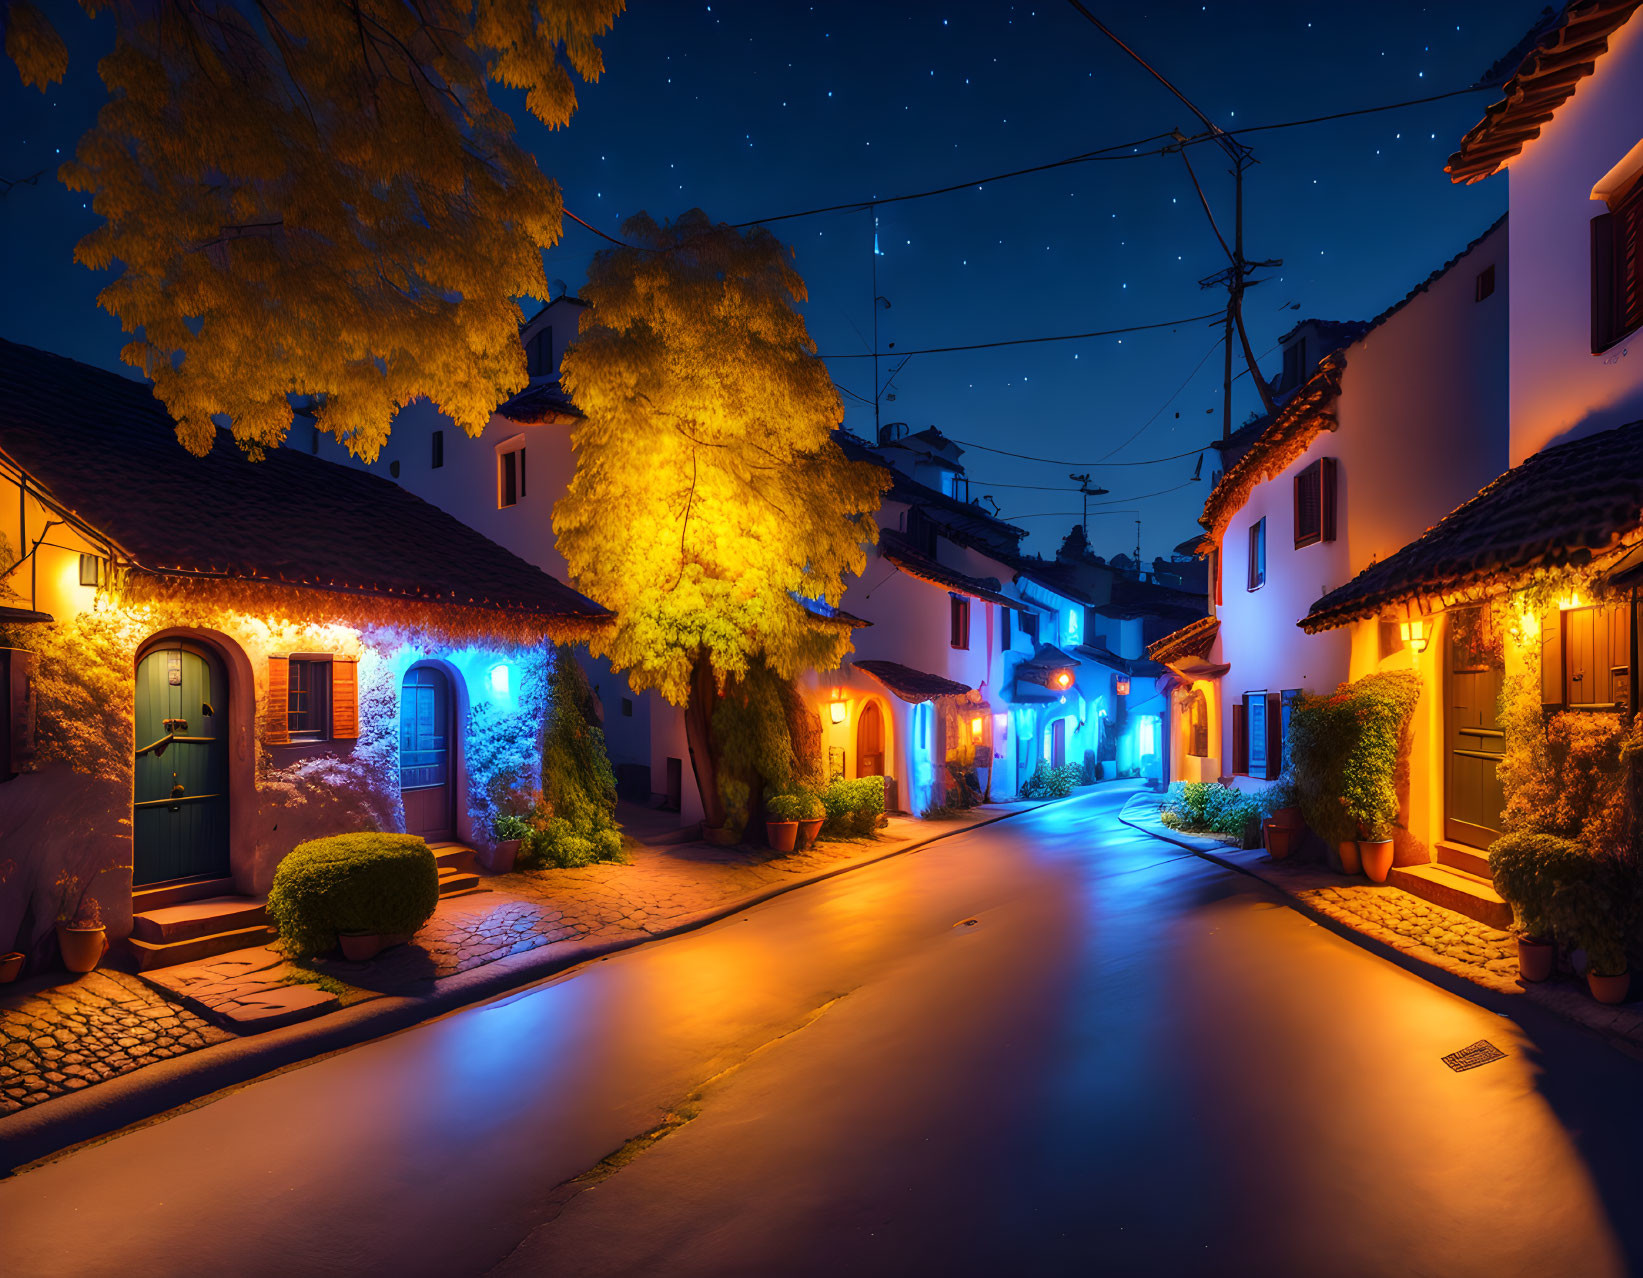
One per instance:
[(557, 289), (1088, 492)]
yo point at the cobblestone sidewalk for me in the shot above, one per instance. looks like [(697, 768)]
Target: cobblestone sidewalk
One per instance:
[(89, 1029), (83, 1030), (1441, 938)]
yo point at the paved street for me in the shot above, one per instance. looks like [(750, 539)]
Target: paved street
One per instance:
[(1053, 1045)]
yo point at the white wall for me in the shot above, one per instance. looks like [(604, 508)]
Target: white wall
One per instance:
[(1559, 389), (1423, 426)]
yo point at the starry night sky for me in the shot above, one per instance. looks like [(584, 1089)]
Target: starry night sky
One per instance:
[(750, 108)]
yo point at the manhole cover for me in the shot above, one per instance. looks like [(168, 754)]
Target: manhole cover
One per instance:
[(1482, 1052)]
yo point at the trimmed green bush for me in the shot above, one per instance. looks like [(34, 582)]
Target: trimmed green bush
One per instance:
[(387, 884), (1346, 750), (853, 807), (1528, 869), (1204, 807), (1051, 783), (794, 805), (1595, 909)]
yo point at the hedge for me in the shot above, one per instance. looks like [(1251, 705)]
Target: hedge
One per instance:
[(1345, 753), (387, 884), (853, 807)]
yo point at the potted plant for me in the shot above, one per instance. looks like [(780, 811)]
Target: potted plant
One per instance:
[(82, 937), (810, 823), (1281, 801), (1280, 839), (783, 813), (1525, 867), (1375, 851), (1594, 909), (10, 965), (507, 831)]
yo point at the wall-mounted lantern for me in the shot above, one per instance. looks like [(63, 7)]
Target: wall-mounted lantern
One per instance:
[(1417, 633), (1063, 679), (975, 727), (1123, 687), (500, 680), (837, 710), (91, 570)]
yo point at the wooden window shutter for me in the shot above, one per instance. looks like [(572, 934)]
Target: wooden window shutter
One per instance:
[(344, 698), (1274, 733), (1603, 299), (1240, 739), (1551, 658), (1215, 573), (1628, 265), (277, 711), (1327, 481), (1308, 503)]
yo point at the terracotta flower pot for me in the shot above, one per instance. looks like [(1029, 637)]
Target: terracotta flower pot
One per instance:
[(1376, 855), (1290, 817), (1351, 862), (10, 965), (781, 835), (1535, 958), (82, 947), (360, 947), (1608, 989), (810, 831), (1280, 840), (501, 857)]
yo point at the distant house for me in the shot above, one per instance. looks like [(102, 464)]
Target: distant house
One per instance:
[(207, 660), (1538, 574), (1382, 428)]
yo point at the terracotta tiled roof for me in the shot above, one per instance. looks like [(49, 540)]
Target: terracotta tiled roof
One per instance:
[(909, 684), (961, 521), (103, 448), (1309, 410), (1564, 506), (1193, 640), (827, 612), (544, 402), (894, 547), (1561, 53)]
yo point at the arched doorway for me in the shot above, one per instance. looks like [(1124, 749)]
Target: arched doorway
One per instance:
[(179, 804), (870, 741), (426, 768)]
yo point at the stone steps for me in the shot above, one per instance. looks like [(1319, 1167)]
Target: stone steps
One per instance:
[(1454, 889), (454, 882), (455, 856), (1472, 860), (185, 931), (151, 955)]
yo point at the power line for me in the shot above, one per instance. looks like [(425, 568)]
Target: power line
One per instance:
[(1098, 508), (1213, 345), (1057, 461), (1028, 341)]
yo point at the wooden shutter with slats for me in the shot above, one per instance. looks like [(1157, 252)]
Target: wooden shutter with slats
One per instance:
[(1240, 740), (344, 698), (1326, 483), (277, 710), (1551, 658)]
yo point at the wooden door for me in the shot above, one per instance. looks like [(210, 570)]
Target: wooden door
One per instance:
[(425, 763), (870, 742), (1473, 740), (1058, 743), (179, 808)]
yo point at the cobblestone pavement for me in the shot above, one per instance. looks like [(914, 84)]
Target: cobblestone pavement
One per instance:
[(68, 1036), (92, 1028), (659, 889), (1488, 955)]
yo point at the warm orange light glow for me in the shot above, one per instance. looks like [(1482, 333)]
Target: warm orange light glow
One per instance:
[(1415, 633), (1063, 678), (837, 711), (1123, 687), (1570, 600), (975, 726)]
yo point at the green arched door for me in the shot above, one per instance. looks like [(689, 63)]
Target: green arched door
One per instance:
[(180, 790)]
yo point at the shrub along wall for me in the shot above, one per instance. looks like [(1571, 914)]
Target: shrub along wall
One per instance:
[(1349, 757)]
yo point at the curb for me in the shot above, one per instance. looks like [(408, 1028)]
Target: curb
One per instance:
[(58, 1125), (1506, 999)]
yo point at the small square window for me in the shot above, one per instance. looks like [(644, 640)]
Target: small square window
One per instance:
[(438, 449), (961, 621), (627, 707), (1485, 283), (309, 693)]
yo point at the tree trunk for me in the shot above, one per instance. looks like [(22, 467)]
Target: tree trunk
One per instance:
[(704, 693)]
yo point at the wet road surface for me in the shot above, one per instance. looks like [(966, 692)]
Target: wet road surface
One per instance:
[(1052, 1045)]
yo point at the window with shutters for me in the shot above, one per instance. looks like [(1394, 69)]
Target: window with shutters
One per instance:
[(308, 699), (539, 352), (1257, 740), (1029, 627), (961, 621), (1617, 270), (1590, 657), (1240, 738), (1215, 574), (1257, 556), (1315, 503), (510, 472)]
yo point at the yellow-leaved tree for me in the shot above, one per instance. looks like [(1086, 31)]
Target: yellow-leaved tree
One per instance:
[(709, 496), (313, 198)]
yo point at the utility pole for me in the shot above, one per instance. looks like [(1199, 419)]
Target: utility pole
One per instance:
[(1087, 492)]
